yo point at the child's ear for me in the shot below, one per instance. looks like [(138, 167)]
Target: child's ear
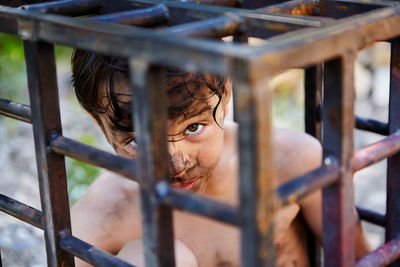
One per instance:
[(227, 95)]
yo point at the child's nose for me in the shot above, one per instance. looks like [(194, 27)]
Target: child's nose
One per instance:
[(177, 160)]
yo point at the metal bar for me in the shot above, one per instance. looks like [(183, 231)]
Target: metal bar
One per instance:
[(152, 16), (313, 99), (257, 182), (312, 125), (382, 256), (218, 58), (149, 112), (203, 11), (338, 125), (230, 3), (43, 94), (197, 204), (71, 148), (292, 191), (371, 216), (289, 52), (393, 163), (88, 253), (67, 7), (366, 156), (15, 110), (371, 125), (213, 28), (21, 211)]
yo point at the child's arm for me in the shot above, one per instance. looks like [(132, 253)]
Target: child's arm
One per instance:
[(297, 154), (311, 207)]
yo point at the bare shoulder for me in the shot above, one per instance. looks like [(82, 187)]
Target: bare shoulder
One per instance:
[(295, 153), (111, 202)]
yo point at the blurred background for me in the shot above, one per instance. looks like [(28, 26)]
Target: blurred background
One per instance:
[(23, 245)]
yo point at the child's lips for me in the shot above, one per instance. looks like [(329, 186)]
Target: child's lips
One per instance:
[(187, 185)]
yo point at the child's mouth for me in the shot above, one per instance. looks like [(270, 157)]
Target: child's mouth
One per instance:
[(187, 185)]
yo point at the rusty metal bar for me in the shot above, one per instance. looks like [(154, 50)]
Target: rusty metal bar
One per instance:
[(15, 110), (371, 216), (67, 7), (332, 9), (258, 200), (371, 125), (152, 16), (71, 148), (387, 147), (43, 94), (338, 125), (382, 256), (393, 163), (213, 28), (149, 111), (230, 3), (312, 101), (21, 211), (215, 57), (292, 191), (196, 204), (88, 253)]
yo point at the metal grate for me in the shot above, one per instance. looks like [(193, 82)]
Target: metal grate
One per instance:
[(322, 37)]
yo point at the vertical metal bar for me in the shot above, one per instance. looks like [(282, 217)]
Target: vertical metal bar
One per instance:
[(312, 100), (257, 181), (338, 198), (312, 124), (43, 93), (149, 114), (393, 167)]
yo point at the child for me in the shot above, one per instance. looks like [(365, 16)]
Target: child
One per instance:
[(203, 159)]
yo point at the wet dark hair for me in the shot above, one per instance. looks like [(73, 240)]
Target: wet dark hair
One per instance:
[(91, 70)]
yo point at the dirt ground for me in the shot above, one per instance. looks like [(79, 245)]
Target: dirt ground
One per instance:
[(23, 245)]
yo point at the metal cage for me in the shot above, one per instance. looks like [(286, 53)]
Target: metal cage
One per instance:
[(321, 36)]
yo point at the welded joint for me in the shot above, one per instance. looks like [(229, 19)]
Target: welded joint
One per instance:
[(331, 161), (162, 189), (28, 29), (52, 137), (64, 233)]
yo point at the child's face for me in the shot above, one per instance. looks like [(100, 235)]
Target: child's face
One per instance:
[(195, 141)]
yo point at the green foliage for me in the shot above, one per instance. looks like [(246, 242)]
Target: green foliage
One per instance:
[(13, 86), (80, 175), (12, 69)]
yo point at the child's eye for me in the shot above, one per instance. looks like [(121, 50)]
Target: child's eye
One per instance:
[(193, 128), (131, 142)]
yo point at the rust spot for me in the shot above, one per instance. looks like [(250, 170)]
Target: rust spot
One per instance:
[(278, 27), (342, 7), (303, 9)]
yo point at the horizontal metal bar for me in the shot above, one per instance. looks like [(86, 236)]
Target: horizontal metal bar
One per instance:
[(219, 10), (216, 27), (152, 16), (371, 125), (21, 211), (67, 7), (71, 148), (382, 256), (371, 216), (301, 186), (230, 3), (197, 204), (376, 152), (89, 253), (15, 110)]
